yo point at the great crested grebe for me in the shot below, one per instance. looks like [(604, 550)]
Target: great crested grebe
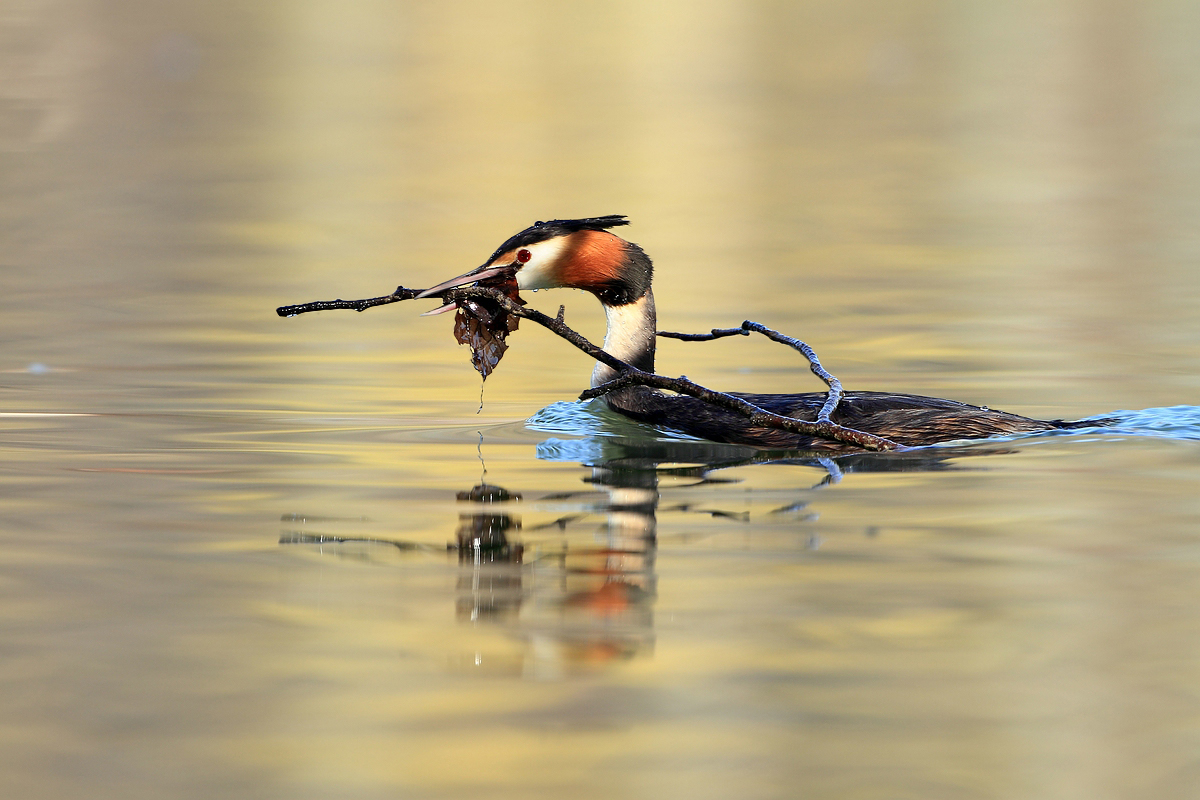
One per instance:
[(583, 254)]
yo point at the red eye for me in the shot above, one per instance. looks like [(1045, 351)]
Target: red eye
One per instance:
[(523, 255)]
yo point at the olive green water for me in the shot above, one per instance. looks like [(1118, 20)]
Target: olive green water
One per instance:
[(229, 558)]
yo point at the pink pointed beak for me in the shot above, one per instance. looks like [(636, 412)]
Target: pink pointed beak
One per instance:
[(441, 310), (479, 274)]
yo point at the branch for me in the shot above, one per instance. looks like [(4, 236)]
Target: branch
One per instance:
[(835, 386), (629, 375), (715, 333), (297, 537), (355, 305), (823, 429)]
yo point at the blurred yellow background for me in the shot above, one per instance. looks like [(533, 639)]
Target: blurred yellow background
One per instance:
[(996, 199)]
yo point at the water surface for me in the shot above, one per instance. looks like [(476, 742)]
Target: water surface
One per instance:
[(233, 556)]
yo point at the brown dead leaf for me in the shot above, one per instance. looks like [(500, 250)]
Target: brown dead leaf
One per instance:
[(484, 325)]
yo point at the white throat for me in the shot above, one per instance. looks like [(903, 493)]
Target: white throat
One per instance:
[(630, 337)]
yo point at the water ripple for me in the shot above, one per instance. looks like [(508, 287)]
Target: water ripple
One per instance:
[(1171, 422), (592, 419)]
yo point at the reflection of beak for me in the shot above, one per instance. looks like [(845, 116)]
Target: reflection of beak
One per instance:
[(482, 273)]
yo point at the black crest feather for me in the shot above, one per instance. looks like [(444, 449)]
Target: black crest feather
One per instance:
[(541, 231)]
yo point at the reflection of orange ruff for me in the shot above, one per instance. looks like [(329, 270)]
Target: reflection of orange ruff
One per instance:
[(606, 561), (612, 598), (603, 652)]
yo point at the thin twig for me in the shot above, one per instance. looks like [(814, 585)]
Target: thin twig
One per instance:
[(629, 375), (814, 363), (715, 333), (298, 537), (835, 393), (353, 305), (823, 429)]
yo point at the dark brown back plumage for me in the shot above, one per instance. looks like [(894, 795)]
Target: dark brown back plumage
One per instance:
[(910, 420)]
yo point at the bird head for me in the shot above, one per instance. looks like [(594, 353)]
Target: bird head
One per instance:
[(571, 253)]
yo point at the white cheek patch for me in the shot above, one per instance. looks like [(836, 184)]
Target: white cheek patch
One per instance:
[(539, 271)]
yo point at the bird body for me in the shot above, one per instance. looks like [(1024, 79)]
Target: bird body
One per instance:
[(584, 254)]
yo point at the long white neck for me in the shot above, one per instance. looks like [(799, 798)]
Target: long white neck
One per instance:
[(630, 337)]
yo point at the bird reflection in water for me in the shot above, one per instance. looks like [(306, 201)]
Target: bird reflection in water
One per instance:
[(577, 604), (581, 597)]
